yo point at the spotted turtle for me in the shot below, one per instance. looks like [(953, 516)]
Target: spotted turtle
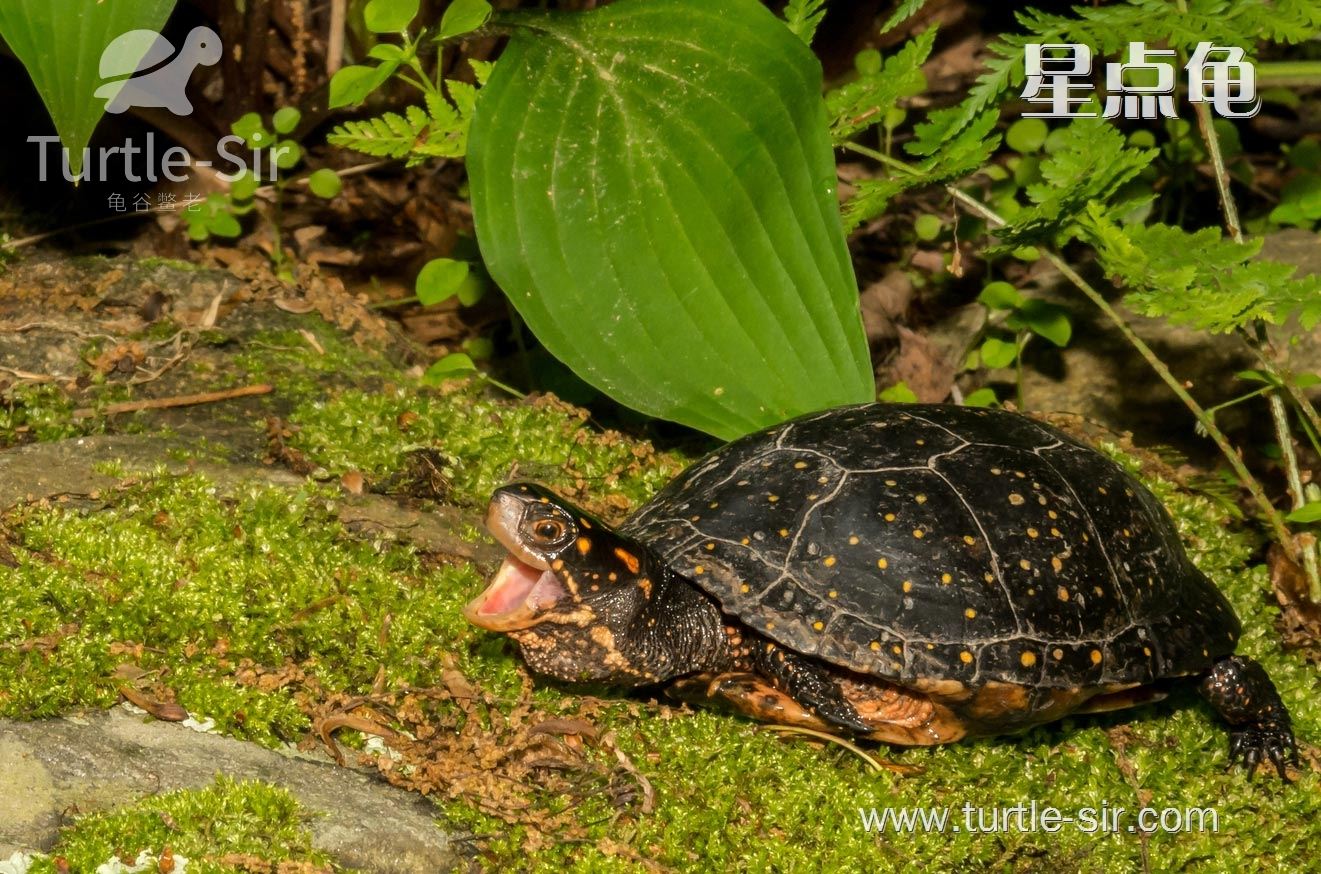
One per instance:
[(912, 574)]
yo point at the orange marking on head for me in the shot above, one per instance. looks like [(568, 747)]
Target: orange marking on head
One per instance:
[(629, 559), (584, 545)]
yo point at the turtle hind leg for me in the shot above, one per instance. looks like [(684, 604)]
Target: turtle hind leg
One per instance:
[(1260, 728)]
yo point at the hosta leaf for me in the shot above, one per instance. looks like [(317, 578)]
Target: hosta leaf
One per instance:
[(653, 187), (61, 43)]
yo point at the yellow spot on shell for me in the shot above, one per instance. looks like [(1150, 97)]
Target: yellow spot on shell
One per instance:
[(921, 499), (710, 546), (743, 588), (818, 625), (874, 646), (1062, 593), (897, 649), (853, 540), (1055, 532), (946, 579), (1028, 659), (908, 585), (829, 561), (772, 498), (557, 564), (745, 541), (965, 657), (1096, 656), (1052, 514), (1025, 564), (1146, 650), (918, 533), (970, 613), (1056, 564), (1033, 533), (784, 532), (1016, 499), (995, 471), (969, 539), (920, 442), (989, 577), (699, 570), (891, 483), (1102, 490), (800, 465), (882, 563), (889, 517), (832, 594), (713, 504), (1057, 653)]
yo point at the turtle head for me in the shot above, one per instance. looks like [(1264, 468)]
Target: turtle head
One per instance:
[(574, 594)]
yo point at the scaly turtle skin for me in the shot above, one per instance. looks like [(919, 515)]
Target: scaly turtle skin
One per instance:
[(912, 574)]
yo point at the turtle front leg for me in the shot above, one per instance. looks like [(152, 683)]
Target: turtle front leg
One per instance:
[(809, 684), (1260, 728)]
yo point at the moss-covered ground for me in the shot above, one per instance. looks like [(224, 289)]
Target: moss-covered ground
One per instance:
[(230, 827), (255, 608)]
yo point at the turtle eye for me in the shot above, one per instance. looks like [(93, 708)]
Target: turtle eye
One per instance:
[(548, 530)]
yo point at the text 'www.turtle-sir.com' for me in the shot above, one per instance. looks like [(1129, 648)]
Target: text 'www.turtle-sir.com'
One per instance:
[(1032, 816)]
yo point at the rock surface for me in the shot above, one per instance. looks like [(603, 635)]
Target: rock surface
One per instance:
[(104, 760)]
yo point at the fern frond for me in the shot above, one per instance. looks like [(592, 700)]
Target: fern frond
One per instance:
[(804, 16)]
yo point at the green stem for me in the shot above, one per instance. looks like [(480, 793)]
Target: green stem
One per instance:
[(1023, 339), (509, 389), (1272, 516), (887, 160), (1261, 342), (1278, 74)]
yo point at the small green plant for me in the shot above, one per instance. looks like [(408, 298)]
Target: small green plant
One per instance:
[(438, 128), (1300, 198), (1014, 320), (218, 213)]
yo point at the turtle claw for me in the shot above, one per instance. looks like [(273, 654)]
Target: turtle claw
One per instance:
[(1259, 743)]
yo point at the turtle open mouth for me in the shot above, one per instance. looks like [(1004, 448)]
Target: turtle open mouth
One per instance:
[(518, 597)]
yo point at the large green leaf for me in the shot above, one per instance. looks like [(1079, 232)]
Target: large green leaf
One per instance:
[(60, 44), (653, 187)]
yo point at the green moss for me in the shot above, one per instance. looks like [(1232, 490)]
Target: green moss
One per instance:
[(153, 262), (171, 575), (487, 440), (257, 821), (297, 369), (41, 412)]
